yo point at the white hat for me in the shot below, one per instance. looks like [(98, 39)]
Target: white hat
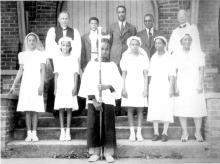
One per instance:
[(133, 38)]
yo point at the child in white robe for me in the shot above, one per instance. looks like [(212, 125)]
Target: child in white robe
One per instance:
[(111, 90)]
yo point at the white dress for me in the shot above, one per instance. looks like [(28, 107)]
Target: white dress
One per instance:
[(29, 100), (189, 103), (134, 65), (66, 67), (160, 107), (110, 76)]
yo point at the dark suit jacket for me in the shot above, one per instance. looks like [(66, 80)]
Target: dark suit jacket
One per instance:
[(86, 50), (148, 45), (118, 40)]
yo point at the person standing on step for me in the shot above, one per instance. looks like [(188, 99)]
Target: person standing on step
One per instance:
[(90, 43), (66, 71), (120, 31), (53, 36), (148, 34), (111, 90), (134, 65), (161, 89), (31, 73), (189, 91), (174, 42)]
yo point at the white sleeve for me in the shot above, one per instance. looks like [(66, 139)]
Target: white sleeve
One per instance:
[(145, 63), (171, 65), (76, 44), (88, 86), (56, 65), (50, 43), (116, 81), (21, 58), (123, 63), (151, 67), (43, 57)]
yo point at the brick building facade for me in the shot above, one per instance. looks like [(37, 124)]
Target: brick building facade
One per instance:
[(41, 15)]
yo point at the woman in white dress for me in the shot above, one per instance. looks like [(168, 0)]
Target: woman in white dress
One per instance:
[(32, 70), (161, 82), (190, 100), (66, 71), (134, 65)]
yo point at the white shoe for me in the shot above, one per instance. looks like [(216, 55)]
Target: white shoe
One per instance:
[(62, 135), (132, 137), (68, 136), (139, 137), (93, 158), (109, 159), (29, 136), (34, 136)]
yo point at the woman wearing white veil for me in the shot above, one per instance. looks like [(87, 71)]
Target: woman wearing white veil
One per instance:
[(134, 65), (32, 70), (190, 100)]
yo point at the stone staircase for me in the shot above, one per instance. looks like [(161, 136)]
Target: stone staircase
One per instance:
[(50, 146)]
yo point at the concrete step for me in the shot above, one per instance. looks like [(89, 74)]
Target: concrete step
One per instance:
[(122, 132), (81, 121), (146, 149)]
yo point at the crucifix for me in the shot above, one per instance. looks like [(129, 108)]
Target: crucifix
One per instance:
[(100, 37)]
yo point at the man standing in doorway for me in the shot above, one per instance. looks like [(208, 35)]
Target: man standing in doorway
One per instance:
[(120, 31), (148, 34)]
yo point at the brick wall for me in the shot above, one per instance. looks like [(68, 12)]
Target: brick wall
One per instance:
[(41, 16), (9, 34), (168, 14), (7, 109)]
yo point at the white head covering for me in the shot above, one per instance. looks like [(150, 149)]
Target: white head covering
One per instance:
[(162, 38), (39, 45), (65, 39), (133, 38), (141, 50)]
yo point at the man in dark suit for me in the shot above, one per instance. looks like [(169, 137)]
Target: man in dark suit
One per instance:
[(89, 43), (120, 31), (148, 34)]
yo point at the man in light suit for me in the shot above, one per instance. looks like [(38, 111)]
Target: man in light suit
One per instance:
[(89, 43), (120, 31), (148, 34)]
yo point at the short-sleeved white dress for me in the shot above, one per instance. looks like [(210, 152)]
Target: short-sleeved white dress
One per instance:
[(66, 67), (189, 103), (160, 107), (29, 100), (134, 65)]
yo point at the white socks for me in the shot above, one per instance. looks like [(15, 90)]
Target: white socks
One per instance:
[(132, 134), (31, 136), (138, 134), (65, 134)]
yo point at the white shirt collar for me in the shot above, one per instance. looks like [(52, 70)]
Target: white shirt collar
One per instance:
[(93, 32), (119, 23), (151, 30)]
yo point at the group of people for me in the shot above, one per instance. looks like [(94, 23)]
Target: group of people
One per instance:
[(138, 70)]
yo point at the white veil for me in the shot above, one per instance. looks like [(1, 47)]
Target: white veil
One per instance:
[(39, 45)]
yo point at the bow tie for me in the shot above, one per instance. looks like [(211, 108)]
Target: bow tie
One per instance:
[(183, 26), (64, 29)]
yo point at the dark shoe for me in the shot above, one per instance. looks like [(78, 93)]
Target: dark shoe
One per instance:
[(155, 138), (164, 138)]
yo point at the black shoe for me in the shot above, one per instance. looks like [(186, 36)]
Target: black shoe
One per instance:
[(164, 138), (155, 138)]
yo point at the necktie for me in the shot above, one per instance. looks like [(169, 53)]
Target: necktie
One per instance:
[(122, 27), (150, 37)]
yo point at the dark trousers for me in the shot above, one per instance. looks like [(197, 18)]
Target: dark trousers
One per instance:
[(108, 138)]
